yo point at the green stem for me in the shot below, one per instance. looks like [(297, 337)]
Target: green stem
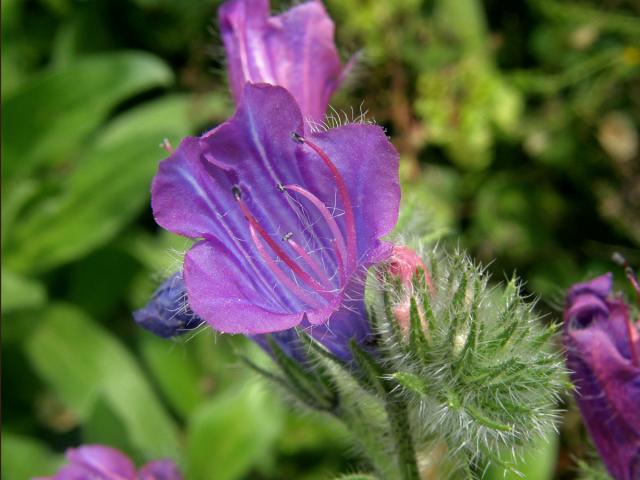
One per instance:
[(399, 423)]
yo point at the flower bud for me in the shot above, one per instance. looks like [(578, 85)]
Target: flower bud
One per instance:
[(405, 266), (405, 263), (168, 313)]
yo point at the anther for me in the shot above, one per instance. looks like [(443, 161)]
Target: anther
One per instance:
[(237, 194), (166, 145), (631, 275), (631, 329), (297, 137), (280, 188), (287, 236)]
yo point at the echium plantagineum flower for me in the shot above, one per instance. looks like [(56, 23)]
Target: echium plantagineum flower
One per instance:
[(603, 354), (288, 220), (99, 462), (294, 50)]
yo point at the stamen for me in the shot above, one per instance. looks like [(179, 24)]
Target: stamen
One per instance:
[(333, 226), (308, 279), (631, 275), (631, 329), (317, 269), (166, 144), (344, 194), (277, 271)]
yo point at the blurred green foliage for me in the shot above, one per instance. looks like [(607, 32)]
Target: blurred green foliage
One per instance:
[(517, 124)]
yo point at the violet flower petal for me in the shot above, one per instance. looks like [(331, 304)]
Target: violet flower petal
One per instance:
[(97, 462), (365, 158), (209, 185), (160, 470), (294, 50), (221, 293)]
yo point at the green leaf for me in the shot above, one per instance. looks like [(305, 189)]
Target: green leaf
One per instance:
[(109, 187), (24, 458), (175, 370), (50, 115), (20, 292), (232, 433), (356, 476), (84, 364), (537, 463)]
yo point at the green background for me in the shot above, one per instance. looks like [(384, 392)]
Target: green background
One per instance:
[(517, 125)]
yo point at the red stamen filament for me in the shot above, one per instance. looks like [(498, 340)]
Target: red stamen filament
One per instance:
[(308, 259), (304, 276), (333, 226), (633, 342), (346, 201), (284, 278)]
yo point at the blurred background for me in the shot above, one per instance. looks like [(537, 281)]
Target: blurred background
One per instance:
[(517, 124)]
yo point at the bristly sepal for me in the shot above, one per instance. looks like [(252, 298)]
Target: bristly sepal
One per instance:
[(474, 362)]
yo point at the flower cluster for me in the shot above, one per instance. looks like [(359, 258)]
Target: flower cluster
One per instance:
[(289, 222)]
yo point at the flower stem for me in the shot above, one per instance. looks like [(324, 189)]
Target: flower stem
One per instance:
[(399, 422)]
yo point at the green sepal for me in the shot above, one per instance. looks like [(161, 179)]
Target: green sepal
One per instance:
[(418, 342), (411, 382), (306, 384), (370, 371)]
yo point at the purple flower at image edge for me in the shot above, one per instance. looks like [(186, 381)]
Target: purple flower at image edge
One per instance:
[(105, 463), (288, 221), (294, 50), (603, 348)]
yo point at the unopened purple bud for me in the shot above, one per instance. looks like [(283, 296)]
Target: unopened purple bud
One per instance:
[(602, 345), (168, 313)]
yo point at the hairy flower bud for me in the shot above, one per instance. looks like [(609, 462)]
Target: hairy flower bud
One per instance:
[(404, 267), (168, 313)]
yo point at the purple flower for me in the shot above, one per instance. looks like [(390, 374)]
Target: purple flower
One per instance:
[(288, 221), (294, 50), (168, 313), (98, 462), (603, 354)]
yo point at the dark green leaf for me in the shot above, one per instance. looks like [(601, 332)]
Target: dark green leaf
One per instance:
[(83, 363)]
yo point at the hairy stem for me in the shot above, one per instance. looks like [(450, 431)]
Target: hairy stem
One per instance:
[(399, 422)]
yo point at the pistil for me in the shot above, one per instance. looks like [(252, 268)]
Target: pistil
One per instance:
[(341, 253), (253, 222)]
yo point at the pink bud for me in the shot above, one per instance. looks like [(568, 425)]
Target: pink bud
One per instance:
[(404, 264)]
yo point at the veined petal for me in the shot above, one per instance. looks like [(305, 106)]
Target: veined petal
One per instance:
[(185, 194), (368, 162), (224, 295), (295, 50)]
